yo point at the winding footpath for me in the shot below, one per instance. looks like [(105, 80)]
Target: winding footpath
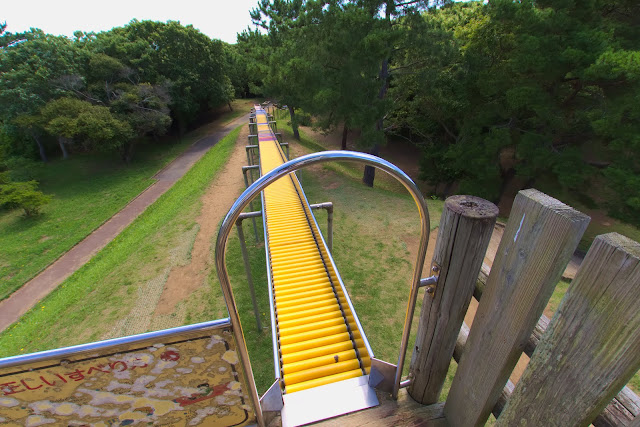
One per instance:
[(40, 286)]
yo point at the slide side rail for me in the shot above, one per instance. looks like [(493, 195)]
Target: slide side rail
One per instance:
[(291, 166)]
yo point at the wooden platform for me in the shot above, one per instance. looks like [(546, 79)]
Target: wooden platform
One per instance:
[(403, 412)]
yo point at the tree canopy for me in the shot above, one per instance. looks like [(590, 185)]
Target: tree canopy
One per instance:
[(529, 91), (110, 90), (497, 94), (105, 92)]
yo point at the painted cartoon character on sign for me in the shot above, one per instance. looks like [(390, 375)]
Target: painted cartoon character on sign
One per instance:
[(205, 391)]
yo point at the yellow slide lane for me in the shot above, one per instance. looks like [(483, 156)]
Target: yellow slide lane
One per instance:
[(318, 338)]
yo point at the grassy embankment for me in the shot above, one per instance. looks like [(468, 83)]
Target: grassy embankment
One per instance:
[(119, 280), (87, 190)]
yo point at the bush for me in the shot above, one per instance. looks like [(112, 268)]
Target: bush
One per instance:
[(21, 168), (23, 195), (304, 119)]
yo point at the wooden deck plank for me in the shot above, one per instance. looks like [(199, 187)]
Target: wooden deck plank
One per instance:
[(401, 413)]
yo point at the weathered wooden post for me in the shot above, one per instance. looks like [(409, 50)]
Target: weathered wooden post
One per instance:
[(540, 237), (465, 230), (621, 411), (592, 346)]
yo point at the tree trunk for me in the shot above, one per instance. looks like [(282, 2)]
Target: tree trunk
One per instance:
[(230, 107), (126, 153), (448, 187), (43, 154), (345, 130), (370, 171), (61, 142), (294, 122), (182, 124)]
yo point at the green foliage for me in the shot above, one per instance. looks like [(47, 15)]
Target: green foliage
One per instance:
[(325, 58), (517, 90), (60, 116), (30, 69), (21, 168), (188, 63), (625, 197), (237, 69), (498, 94), (112, 90), (102, 128), (22, 195)]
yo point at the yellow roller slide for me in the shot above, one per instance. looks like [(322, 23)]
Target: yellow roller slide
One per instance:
[(318, 338)]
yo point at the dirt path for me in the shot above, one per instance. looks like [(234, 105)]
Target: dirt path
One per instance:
[(223, 191), (40, 286)]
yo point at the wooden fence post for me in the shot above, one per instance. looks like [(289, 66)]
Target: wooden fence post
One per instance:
[(619, 412), (465, 230), (540, 237), (592, 346)]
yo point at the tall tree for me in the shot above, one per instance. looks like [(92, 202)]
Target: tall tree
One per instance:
[(60, 118), (142, 106), (181, 58), (237, 70), (31, 65), (393, 11), (526, 91), (277, 53), (345, 52), (333, 59)]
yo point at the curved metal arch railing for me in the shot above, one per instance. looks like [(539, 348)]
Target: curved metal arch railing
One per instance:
[(291, 166)]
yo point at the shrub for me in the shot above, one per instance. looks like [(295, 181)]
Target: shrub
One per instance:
[(23, 195)]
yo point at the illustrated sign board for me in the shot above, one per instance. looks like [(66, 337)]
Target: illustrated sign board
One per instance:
[(183, 377)]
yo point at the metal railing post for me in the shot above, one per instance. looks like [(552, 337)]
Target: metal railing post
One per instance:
[(250, 149), (247, 268), (330, 228), (246, 185), (328, 206), (286, 145)]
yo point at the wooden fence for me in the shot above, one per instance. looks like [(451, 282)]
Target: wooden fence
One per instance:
[(581, 359)]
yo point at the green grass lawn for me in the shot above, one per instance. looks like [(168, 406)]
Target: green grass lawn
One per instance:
[(91, 304), (87, 190)]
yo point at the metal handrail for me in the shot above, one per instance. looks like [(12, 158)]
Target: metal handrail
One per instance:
[(98, 346), (291, 166)]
